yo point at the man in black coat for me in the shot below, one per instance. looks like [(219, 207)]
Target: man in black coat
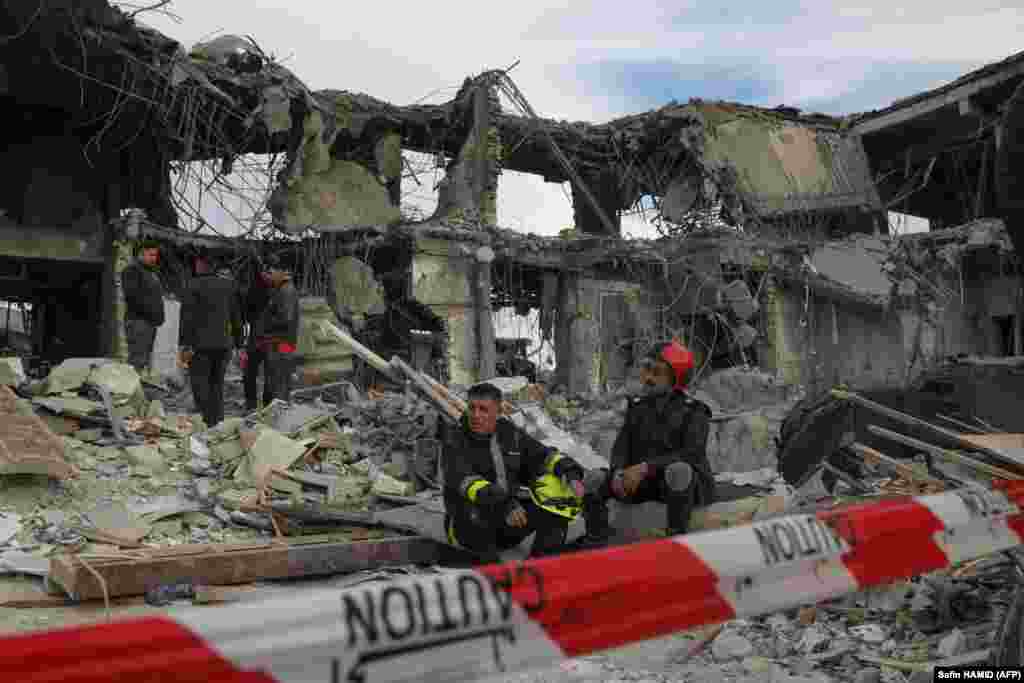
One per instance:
[(278, 332), (660, 453), (211, 326), (144, 304), (485, 461), (256, 300)]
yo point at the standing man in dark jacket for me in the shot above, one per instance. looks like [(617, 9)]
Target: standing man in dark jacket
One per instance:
[(144, 304), (661, 452), (256, 300), (484, 463), (211, 326), (278, 332)]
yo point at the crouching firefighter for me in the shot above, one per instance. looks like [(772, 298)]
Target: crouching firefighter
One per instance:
[(485, 461), (660, 452)]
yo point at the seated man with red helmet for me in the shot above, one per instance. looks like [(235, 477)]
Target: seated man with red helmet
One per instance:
[(660, 453)]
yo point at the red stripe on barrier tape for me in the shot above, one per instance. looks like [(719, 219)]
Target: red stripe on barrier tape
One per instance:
[(583, 602), (115, 652), (890, 539), (1014, 490), (585, 610)]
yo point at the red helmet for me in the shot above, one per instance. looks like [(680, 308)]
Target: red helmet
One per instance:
[(677, 356)]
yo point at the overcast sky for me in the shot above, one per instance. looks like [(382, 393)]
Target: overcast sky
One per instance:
[(598, 60)]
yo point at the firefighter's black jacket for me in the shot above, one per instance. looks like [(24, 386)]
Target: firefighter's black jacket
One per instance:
[(469, 475), (661, 430)]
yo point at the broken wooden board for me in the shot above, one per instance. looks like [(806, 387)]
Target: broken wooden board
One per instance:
[(220, 565), (27, 445), (1010, 446)]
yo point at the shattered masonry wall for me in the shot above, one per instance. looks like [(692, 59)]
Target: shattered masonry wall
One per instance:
[(469, 191), (442, 279), (333, 193), (601, 316), (780, 344), (856, 346), (783, 166), (323, 358)]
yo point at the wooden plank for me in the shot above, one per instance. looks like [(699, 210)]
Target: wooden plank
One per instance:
[(952, 456), (871, 456), (220, 567), (966, 444)]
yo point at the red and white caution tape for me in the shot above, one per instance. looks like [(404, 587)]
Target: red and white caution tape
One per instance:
[(471, 624)]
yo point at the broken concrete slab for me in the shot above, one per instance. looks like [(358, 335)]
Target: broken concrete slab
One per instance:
[(164, 507), (12, 372), (156, 410), (384, 483), (115, 523), (73, 406), (271, 450), (536, 422), (27, 446), (10, 525), (293, 418), (120, 379), (17, 562), (148, 457), (71, 374)]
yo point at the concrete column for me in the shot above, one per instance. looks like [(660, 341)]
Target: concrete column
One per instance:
[(486, 351), (120, 258)]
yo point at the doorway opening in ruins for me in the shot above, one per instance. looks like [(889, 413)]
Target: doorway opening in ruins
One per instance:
[(1006, 334)]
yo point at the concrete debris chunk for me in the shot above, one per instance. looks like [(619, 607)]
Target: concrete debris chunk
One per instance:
[(156, 410), (953, 644), (71, 405), (147, 457), (10, 525), (814, 639), (731, 646), (17, 562), (115, 523), (270, 451), (71, 374), (385, 484), (12, 372), (870, 633), (27, 446), (536, 422)]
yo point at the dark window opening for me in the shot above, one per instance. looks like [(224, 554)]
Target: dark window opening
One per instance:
[(1006, 326)]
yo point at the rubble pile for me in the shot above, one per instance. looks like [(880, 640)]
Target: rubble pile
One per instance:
[(747, 405), (125, 476)]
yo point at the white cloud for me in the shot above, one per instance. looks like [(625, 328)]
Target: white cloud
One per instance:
[(403, 52)]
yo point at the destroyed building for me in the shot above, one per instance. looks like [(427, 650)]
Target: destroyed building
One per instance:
[(777, 251)]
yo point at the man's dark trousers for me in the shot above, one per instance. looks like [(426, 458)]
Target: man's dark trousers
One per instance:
[(207, 375)]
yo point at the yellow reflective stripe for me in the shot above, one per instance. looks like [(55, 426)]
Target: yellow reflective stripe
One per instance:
[(473, 490), (451, 534), (552, 460)]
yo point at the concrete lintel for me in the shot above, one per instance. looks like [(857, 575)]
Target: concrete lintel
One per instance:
[(931, 104), (50, 243)]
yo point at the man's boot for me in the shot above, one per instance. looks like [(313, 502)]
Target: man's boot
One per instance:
[(678, 497), (595, 513), (549, 540), (678, 513)]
